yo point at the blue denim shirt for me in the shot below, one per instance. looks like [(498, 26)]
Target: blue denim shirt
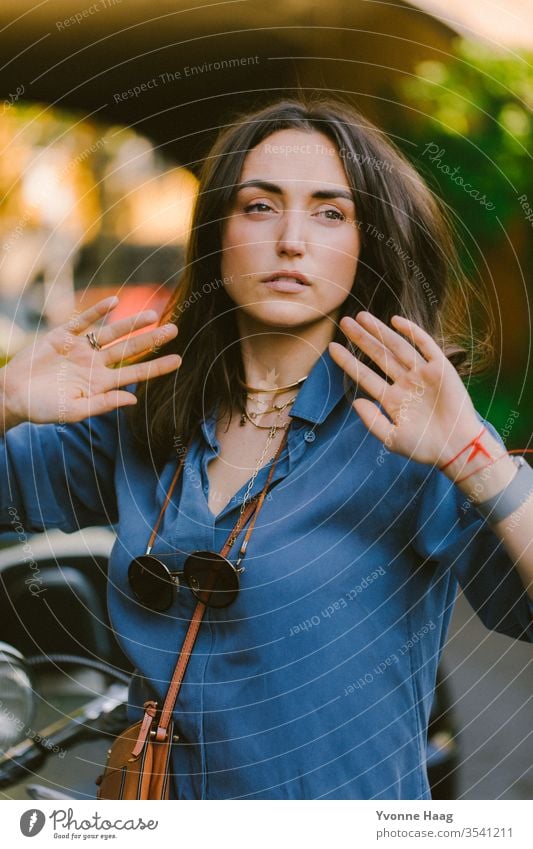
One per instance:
[(318, 681)]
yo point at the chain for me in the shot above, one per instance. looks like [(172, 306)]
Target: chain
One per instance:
[(271, 434), (270, 437), (245, 415)]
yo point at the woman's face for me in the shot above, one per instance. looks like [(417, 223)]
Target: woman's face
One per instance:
[(293, 214)]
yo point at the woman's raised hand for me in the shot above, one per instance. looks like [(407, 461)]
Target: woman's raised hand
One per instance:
[(61, 378), (429, 414)]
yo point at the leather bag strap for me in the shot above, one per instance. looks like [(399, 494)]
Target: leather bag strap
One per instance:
[(252, 509), (188, 643)]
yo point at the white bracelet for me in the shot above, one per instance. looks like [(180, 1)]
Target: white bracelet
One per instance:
[(508, 500)]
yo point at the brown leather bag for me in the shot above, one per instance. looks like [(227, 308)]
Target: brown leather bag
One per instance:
[(138, 761), (137, 765)]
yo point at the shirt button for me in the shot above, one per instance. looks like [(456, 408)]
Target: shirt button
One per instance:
[(309, 436)]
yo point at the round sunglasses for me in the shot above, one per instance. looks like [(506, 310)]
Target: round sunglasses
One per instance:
[(211, 577)]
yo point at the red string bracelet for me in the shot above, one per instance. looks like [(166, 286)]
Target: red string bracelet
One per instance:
[(506, 454), (492, 462), (477, 448)]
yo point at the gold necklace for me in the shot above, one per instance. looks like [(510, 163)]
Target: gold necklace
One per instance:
[(272, 389), (277, 408), (273, 429), (250, 397), (245, 415), (272, 432), (262, 427)]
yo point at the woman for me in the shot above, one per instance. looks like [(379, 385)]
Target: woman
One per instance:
[(317, 680)]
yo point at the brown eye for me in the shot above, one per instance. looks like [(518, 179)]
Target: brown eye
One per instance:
[(331, 214), (258, 206)]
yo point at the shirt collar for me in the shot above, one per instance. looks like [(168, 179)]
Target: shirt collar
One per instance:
[(208, 427), (320, 393)]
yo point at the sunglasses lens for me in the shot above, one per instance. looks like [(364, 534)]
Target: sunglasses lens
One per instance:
[(212, 578), (151, 582)]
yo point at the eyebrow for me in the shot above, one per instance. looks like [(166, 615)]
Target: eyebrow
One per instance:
[(320, 194)]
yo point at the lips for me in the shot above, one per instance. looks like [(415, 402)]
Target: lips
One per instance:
[(284, 276)]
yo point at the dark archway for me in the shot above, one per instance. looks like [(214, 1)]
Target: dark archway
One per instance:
[(176, 71)]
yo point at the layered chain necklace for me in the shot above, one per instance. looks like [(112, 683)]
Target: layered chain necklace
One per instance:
[(252, 415), (252, 393)]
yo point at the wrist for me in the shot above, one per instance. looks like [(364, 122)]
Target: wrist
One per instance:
[(513, 497), (465, 447), (8, 416), (481, 466), (489, 480)]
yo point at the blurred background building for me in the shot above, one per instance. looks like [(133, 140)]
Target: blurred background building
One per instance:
[(108, 108)]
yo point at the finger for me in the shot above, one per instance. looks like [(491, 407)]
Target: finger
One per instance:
[(376, 350), (144, 371), (149, 341), (424, 342), (103, 402), (117, 329), (404, 352), (364, 376), (80, 323), (376, 422)]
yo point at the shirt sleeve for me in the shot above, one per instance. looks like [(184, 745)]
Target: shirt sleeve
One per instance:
[(449, 530), (59, 476)]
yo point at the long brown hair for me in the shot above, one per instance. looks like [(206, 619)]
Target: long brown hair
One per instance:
[(407, 265)]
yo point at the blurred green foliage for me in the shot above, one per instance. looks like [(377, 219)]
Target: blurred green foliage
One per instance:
[(476, 107), (467, 126)]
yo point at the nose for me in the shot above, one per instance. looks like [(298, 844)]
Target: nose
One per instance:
[(291, 240)]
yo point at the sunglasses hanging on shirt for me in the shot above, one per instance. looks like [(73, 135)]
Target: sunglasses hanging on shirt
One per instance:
[(212, 578)]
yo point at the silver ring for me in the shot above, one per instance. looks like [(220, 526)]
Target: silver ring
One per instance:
[(93, 341)]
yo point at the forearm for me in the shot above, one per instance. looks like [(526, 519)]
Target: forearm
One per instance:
[(61, 476), (485, 481)]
